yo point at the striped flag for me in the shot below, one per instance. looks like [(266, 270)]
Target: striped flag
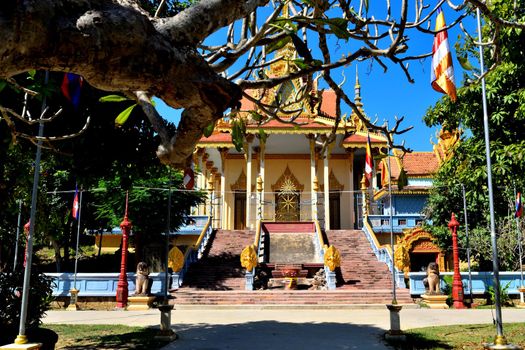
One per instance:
[(442, 72), (71, 86), (368, 162), (74, 210), (189, 177), (519, 207)]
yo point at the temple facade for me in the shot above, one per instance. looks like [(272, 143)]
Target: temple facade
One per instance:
[(283, 172)]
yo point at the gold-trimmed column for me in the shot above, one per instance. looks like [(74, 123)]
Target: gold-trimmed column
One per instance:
[(326, 181), (313, 176), (261, 171), (208, 178), (248, 155), (224, 224), (351, 187)]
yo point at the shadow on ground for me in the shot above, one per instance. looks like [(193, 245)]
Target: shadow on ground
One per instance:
[(264, 335)]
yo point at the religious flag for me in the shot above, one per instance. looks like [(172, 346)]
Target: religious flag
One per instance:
[(442, 72), (74, 211), (368, 162), (519, 207), (189, 177), (71, 86)]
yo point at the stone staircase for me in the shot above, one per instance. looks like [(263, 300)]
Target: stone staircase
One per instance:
[(220, 267), (218, 278), (360, 269), (286, 297)]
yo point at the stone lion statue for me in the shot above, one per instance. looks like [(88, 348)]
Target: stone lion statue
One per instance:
[(432, 281), (142, 279)]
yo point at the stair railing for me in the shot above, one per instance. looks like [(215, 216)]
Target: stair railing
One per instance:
[(323, 247), (194, 253), (382, 253), (256, 247)]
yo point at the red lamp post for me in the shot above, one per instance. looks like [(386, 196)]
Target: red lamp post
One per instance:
[(122, 285), (457, 285)]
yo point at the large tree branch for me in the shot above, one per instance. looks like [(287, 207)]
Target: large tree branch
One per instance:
[(196, 23)]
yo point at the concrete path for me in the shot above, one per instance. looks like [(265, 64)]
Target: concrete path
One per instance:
[(295, 328)]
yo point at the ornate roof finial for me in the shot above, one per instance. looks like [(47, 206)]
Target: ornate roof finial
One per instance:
[(286, 11), (357, 90)]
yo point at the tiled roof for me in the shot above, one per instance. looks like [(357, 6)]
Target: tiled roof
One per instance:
[(361, 138), (308, 123), (420, 163), (329, 102), (415, 164), (218, 137)]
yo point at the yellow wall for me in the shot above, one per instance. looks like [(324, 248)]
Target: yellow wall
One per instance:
[(300, 168)]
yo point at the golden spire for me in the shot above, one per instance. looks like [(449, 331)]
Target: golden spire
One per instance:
[(286, 11), (358, 102)]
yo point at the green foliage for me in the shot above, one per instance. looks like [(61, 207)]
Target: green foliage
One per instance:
[(505, 86), (40, 298), (124, 115), (504, 297)]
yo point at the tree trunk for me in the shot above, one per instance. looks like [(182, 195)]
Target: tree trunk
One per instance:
[(116, 46), (58, 258)]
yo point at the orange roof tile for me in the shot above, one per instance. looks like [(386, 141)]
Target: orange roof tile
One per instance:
[(218, 137), (420, 163), (329, 103), (304, 123), (362, 139)]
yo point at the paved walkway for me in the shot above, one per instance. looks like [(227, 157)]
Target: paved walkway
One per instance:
[(295, 328)]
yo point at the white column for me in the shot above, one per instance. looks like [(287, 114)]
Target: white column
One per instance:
[(261, 174), (248, 185), (351, 189), (223, 211), (326, 181), (312, 178)]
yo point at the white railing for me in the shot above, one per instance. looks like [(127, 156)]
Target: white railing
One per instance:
[(194, 253), (383, 254)]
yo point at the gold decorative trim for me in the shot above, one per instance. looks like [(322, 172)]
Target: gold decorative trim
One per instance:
[(335, 185), (175, 259), (240, 184), (249, 258), (405, 245), (332, 258), (287, 179)]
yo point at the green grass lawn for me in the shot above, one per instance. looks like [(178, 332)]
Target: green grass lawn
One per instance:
[(468, 337), (105, 337)]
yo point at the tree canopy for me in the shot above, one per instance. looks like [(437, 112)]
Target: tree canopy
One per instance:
[(126, 46), (505, 86)]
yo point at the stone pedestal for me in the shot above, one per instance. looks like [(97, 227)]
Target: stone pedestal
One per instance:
[(140, 303), (521, 305), (27, 346), (73, 300), (166, 333), (436, 301), (395, 332)]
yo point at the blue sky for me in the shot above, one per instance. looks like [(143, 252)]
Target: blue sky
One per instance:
[(389, 94)]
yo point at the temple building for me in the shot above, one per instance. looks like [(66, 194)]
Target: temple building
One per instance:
[(300, 179), (288, 172)]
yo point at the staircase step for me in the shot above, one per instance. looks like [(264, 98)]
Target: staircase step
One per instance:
[(218, 278)]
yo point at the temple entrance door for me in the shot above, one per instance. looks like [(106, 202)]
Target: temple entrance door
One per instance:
[(287, 206), (335, 211), (420, 261), (240, 211)]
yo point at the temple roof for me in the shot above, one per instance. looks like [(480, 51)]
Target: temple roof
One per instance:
[(359, 140), (217, 139)]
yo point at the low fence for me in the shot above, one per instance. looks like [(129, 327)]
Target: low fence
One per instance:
[(101, 284), (481, 281)]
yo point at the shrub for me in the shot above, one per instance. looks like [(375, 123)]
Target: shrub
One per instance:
[(40, 298), (503, 295)]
